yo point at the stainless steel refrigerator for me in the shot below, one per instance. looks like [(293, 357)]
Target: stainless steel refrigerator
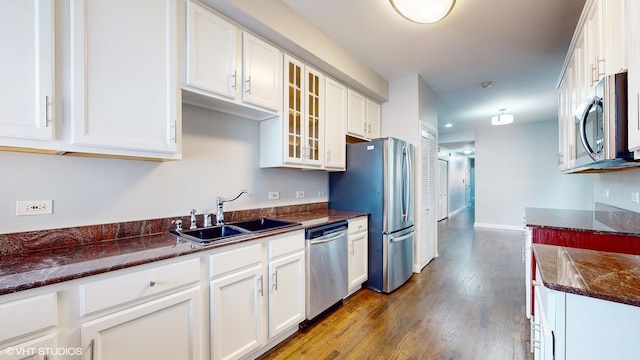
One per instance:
[(379, 180)]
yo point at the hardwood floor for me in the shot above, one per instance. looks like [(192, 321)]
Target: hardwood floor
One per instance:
[(466, 304)]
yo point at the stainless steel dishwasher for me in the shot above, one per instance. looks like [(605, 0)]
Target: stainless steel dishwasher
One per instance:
[(327, 282)]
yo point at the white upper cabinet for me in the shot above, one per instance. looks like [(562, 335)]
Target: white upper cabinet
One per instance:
[(334, 125), (124, 77), (373, 119), (230, 70), (211, 52), (27, 75), (262, 73), (357, 114), (363, 119), (296, 139)]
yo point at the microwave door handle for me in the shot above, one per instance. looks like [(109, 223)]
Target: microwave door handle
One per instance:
[(583, 127)]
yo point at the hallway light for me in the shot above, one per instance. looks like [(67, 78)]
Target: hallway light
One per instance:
[(423, 11), (502, 118)]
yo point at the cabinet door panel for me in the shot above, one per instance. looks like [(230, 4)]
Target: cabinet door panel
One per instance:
[(166, 328), (35, 349), (211, 52), (356, 114), (237, 313), (26, 32), (262, 71), (373, 119), (124, 74), (286, 293), (335, 122)]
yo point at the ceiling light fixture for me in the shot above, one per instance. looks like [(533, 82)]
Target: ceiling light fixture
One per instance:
[(486, 84), (502, 118), (423, 11), (448, 125)]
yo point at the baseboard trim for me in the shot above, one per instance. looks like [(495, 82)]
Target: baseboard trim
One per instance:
[(498, 226), (458, 211)]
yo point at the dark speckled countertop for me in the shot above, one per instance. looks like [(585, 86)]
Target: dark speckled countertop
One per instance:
[(604, 219), (598, 274), (40, 267)]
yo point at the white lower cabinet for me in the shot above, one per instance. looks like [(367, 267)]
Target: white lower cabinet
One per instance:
[(257, 295), (165, 328), (237, 302), (358, 239), (567, 326), (151, 313), (29, 328)]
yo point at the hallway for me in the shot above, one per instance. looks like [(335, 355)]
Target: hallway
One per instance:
[(466, 304)]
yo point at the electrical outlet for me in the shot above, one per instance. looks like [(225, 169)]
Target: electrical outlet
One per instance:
[(299, 194), (34, 207), (635, 198), (274, 195), (321, 193)]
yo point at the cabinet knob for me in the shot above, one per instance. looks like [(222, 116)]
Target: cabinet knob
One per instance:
[(152, 283)]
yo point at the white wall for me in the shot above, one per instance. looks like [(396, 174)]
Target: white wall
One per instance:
[(220, 157), (620, 185), (516, 167)]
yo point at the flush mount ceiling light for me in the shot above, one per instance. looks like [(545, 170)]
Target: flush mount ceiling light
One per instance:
[(423, 11), (448, 125), (502, 118)]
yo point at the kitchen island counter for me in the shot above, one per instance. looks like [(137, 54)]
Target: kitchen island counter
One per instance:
[(598, 274), (35, 259)]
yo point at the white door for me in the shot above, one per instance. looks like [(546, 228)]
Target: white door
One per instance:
[(443, 189), (427, 240), (335, 122), (356, 114), (211, 52), (124, 75), (26, 69), (262, 73), (32, 349), (166, 328), (286, 293), (358, 268), (237, 313)]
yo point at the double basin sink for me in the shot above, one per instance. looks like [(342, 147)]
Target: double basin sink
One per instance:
[(208, 235)]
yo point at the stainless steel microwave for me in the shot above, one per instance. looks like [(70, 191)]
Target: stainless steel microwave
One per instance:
[(601, 128)]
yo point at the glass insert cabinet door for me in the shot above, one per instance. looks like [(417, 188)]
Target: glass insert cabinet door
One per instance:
[(304, 107)]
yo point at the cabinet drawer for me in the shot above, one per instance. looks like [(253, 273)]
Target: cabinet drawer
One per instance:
[(28, 315), (119, 289), (357, 224), (285, 244), (226, 261)]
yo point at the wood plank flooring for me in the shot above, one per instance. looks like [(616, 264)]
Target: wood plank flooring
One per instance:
[(466, 304)]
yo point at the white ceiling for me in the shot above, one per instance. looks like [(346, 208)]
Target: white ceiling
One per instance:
[(519, 45)]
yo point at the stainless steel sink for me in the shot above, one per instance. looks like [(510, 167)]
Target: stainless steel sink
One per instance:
[(207, 235), (261, 224)]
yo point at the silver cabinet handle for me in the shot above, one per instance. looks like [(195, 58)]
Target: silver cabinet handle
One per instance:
[(46, 111), (248, 81), (232, 80), (93, 346), (260, 290), (275, 280)]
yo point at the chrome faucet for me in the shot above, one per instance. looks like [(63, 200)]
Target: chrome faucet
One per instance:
[(219, 205), (193, 219)]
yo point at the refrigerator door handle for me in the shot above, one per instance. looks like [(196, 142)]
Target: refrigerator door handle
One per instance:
[(406, 173), (403, 237)]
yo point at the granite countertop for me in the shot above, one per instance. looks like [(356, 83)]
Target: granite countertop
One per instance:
[(597, 274), (27, 270), (604, 219)]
